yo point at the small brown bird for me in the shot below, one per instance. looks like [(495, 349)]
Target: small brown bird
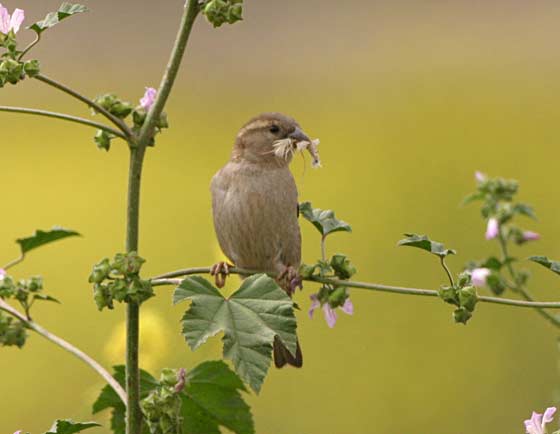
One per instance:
[(255, 207)]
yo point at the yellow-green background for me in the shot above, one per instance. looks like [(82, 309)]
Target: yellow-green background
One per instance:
[(409, 98)]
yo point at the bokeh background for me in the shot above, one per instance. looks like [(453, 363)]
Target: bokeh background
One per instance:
[(409, 98)]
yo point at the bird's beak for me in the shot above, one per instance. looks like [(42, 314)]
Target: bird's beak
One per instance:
[(299, 136)]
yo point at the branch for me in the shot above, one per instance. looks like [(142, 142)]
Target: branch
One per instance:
[(187, 21), (63, 116), (169, 279), (66, 346), (119, 123)]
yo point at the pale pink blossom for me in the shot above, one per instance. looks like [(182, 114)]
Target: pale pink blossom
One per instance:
[(537, 423), (148, 99), (2, 273), (479, 276), (493, 228), (479, 176), (531, 236), (10, 23), (329, 312)]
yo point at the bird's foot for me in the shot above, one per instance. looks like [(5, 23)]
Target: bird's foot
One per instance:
[(289, 279), (220, 271)]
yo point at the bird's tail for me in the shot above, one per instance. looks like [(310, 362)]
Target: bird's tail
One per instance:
[(283, 357)]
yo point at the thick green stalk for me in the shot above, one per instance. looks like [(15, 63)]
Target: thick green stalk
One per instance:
[(137, 152), (134, 414)]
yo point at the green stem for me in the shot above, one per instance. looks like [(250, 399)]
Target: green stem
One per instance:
[(170, 279), (137, 152), (553, 319), (187, 21), (447, 271), (119, 123), (324, 248), (30, 46), (134, 413), (66, 346), (63, 116)]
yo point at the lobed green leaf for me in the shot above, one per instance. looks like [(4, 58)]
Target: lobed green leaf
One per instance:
[(53, 18), (424, 243), (250, 319), (553, 266), (67, 426), (324, 220), (40, 238)]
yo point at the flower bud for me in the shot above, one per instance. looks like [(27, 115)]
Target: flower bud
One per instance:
[(32, 68), (102, 139)]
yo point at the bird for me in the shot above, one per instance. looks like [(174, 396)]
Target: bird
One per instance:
[(255, 208)]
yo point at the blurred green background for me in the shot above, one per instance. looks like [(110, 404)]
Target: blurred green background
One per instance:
[(409, 98)]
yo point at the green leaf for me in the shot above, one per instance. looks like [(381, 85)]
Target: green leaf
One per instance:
[(40, 238), (473, 197), (424, 243), (43, 297), (212, 398), (250, 319), (53, 18), (324, 220), (67, 426), (109, 398), (553, 266), (526, 210)]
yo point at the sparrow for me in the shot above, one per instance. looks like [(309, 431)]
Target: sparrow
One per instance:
[(255, 208)]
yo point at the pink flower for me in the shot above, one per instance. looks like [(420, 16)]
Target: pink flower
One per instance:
[(329, 312), (536, 425), (479, 176), (493, 228), (148, 99), (479, 276), (12, 23), (531, 236)]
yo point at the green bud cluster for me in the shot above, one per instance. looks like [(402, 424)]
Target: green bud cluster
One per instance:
[(114, 105), (463, 296), (162, 407), (119, 279), (219, 12), (139, 117), (25, 292), (13, 71), (339, 267), (12, 331)]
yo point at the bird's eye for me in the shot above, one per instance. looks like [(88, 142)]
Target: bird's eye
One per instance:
[(274, 129)]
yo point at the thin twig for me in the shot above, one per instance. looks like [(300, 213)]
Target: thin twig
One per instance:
[(63, 116), (519, 288), (170, 279), (14, 262), (68, 347), (119, 123), (447, 271), (30, 46)]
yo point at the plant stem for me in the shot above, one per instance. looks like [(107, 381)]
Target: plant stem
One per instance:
[(63, 117), (30, 46), (189, 16), (66, 346), (553, 319), (137, 153), (134, 413), (170, 279), (324, 248), (119, 123), (447, 271), (14, 262)]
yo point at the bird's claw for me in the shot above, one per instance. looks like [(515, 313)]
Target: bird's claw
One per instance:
[(220, 271), (290, 280)]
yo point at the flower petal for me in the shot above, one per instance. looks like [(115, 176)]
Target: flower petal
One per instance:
[(479, 176), (548, 415), (4, 20), (493, 229), (531, 236), (533, 425), (17, 18), (147, 101), (479, 276), (348, 307), (330, 315), (314, 304)]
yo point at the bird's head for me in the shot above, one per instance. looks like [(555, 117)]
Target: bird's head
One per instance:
[(270, 138)]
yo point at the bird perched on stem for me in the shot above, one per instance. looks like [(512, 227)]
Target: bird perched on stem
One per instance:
[(255, 207)]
